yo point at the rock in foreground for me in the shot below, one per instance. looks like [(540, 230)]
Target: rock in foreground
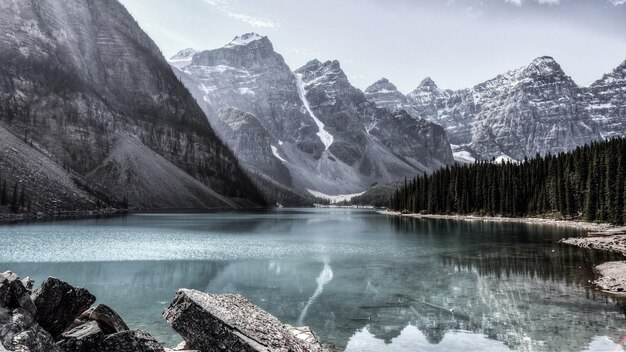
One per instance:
[(57, 318), (58, 303), (211, 323)]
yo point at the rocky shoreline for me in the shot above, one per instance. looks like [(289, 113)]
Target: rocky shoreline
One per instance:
[(611, 276), (581, 225), (10, 218), (58, 317)]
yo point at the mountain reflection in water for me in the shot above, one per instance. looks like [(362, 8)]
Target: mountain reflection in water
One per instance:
[(360, 280)]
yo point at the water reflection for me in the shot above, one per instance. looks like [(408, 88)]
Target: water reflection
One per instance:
[(360, 280)]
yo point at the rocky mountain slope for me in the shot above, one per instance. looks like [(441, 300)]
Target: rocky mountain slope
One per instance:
[(530, 110), (606, 102), (50, 186), (76, 74), (309, 129)]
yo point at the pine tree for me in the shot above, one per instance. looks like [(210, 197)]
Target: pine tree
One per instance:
[(14, 202)]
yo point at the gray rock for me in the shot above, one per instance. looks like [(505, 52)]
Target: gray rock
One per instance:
[(211, 323), (108, 320), (28, 283), (83, 338), (130, 341), (13, 294), (20, 332), (59, 303)]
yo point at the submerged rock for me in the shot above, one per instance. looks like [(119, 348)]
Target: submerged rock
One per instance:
[(230, 323), (59, 303)]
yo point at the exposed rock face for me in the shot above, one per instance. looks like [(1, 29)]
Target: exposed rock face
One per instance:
[(76, 74), (255, 147), (311, 128), (606, 102), (534, 109), (230, 323), (387, 96), (454, 110), (58, 303)]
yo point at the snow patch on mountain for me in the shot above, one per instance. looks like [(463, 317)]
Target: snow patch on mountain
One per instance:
[(334, 199), (244, 40), (326, 137), (277, 155), (464, 157), (504, 159), (182, 58)]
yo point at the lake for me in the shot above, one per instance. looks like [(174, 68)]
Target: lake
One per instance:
[(361, 280)]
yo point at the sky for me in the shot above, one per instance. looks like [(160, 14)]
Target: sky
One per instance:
[(458, 43)]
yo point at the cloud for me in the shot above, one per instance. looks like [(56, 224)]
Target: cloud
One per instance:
[(542, 2), (224, 7), (253, 21), (617, 2)]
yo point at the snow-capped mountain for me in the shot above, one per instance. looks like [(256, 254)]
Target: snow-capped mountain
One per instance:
[(324, 132), (606, 102), (83, 83), (534, 109)]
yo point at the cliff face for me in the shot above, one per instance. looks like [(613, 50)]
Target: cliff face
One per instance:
[(75, 75)]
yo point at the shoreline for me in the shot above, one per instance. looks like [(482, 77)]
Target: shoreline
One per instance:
[(581, 225), (611, 276), (22, 218)]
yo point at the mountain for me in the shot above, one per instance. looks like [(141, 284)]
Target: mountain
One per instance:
[(309, 129), (606, 102), (530, 110), (50, 186), (78, 75)]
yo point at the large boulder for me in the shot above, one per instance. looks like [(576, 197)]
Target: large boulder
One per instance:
[(13, 293), (18, 329), (108, 320), (59, 303), (130, 341), (211, 323), (20, 332), (83, 338)]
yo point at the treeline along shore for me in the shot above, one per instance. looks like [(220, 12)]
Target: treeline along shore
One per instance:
[(585, 184)]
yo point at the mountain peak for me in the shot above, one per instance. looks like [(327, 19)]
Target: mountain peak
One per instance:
[(184, 54), (381, 86), (427, 83), (245, 39), (544, 65)]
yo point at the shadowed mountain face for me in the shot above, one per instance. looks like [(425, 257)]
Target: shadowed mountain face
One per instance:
[(313, 122), (530, 110), (75, 75)]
